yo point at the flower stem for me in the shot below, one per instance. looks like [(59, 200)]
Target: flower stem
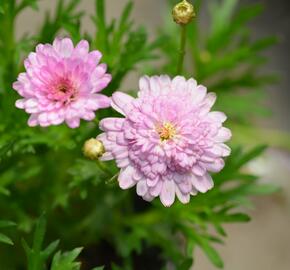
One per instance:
[(181, 49)]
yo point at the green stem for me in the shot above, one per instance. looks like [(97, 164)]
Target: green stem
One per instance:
[(181, 49)]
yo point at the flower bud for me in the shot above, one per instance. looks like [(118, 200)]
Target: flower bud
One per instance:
[(93, 149), (183, 13)]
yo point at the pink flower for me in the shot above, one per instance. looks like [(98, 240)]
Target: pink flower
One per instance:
[(61, 84), (168, 141)]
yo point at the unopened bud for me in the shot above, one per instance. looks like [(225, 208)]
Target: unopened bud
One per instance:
[(93, 149), (183, 13)]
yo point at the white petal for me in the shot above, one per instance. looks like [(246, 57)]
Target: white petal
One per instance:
[(63, 46), (224, 134), (199, 94), (142, 188), (192, 84), (167, 195), (121, 163), (198, 170), (20, 103), (215, 166), (183, 197), (82, 47), (147, 197), (32, 121), (164, 80), (202, 183), (154, 85), (122, 102), (155, 191), (210, 99), (217, 116), (126, 178), (226, 151), (113, 124), (73, 122), (186, 185), (106, 156), (178, 82), (144, 84), (218, 150)]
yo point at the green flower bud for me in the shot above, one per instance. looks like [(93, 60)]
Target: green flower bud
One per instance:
[(93, 149), (183, 13)]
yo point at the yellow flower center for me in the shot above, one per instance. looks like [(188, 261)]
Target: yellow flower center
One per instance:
[(62, 88), (166, 131)]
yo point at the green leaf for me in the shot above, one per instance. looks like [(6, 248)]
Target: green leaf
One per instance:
[(221, 13), (5, 239), (39, 234), (100, 20), (6, 223), (50, 249), (66, 260), (257, 151), (186, 264), (26, 248), (239, 217), (210, 252), (36, 257), (262, 189), (4, 191), (203, 242)]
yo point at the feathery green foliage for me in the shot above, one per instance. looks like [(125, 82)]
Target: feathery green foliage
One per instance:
[(42, 170)]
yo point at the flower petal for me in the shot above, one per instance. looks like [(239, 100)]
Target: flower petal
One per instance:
[(202, 183), (63, 46), (183, 197), (112, 124), (167, 195), (126, 178), (122, 102), (142, 188)]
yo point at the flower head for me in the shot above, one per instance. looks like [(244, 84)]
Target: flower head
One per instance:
[(168, 141), (183, 13), (62, 84)]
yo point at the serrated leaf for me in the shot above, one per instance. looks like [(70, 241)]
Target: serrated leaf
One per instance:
[(203, 242), (66, 260), (211, 253)]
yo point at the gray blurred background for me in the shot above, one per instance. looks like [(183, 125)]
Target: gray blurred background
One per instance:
[(264, 243)]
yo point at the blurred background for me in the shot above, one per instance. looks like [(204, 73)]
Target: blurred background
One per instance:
[(264, 243)]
